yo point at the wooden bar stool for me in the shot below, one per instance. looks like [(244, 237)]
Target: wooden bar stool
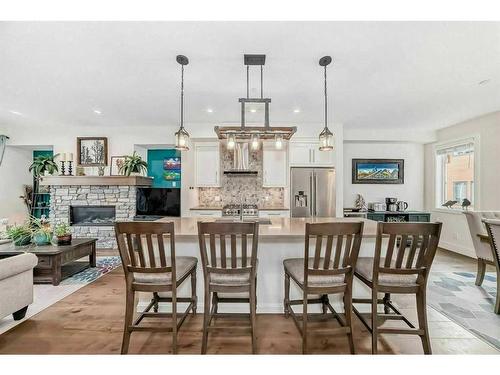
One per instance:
[(404, 269), (148, 268), (493, 229), (327, 272), (228, 272)]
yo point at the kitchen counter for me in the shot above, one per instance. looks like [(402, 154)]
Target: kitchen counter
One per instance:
[(279, 227), (214, 208), (282, 239)]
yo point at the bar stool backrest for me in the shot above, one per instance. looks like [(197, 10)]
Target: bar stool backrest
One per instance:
[(334, 250), (493, 229), (410, 249), (219, 256), (146, 247)]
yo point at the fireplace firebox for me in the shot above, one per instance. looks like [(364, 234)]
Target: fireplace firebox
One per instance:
[(92, 215)]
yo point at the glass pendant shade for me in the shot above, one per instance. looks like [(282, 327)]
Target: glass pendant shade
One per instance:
[(231, 141), (255, 142), (182, 140), (326, 140), (278, 141)]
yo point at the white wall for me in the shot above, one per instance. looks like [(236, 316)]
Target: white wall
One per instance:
[(13, 175), (455, 235), (412, 189)]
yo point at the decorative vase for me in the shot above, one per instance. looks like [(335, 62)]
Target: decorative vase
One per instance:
[(64, 240), (41, 239)]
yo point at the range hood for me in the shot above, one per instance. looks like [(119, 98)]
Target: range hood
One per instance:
[(240, 161), (245, 132)]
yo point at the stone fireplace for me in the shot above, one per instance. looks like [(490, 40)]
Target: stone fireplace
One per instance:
[(92, 204)]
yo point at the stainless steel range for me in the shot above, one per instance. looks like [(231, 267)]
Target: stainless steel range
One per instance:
[(242, 211)]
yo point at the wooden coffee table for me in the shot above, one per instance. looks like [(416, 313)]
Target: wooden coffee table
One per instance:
[(55, 263)]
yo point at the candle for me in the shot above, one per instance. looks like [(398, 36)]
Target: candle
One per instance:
[(69, 156), (63, 156)]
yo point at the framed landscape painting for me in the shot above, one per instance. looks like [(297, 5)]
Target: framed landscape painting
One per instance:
[(92, 151), (377, 171)]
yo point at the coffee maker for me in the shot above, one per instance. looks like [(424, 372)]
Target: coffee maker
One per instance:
[(391, 204)]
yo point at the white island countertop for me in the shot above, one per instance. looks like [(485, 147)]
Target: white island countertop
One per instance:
[(279, 227)]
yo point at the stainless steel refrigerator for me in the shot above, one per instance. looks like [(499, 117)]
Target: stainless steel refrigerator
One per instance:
[(312, 192)]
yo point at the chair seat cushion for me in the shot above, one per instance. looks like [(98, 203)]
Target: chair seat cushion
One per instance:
[(295, 268), (184, 265), (227, 279), (364, 268)]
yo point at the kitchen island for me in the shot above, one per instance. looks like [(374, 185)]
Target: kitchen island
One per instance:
[(282, 238)]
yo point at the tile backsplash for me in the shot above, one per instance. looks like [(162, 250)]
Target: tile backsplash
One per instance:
[(246, 189)]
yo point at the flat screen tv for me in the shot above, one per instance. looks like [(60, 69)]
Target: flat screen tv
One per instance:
[(158, 202)]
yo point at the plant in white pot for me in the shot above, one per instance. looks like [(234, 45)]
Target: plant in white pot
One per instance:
[(134, 165)]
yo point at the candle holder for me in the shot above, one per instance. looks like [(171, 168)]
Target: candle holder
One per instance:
[(63, 169), (70, 168)]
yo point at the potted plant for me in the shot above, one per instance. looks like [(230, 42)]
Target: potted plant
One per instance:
[(20, 234), (133, 165), (63, 234), (41, 232), (43, 165)]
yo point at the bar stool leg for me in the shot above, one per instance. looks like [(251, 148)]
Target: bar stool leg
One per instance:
[(422, 320), (304, 324), (174, 322), (253, 310), (348, 318), (206, 316), (374, 322), (129, 317), (194, 298), (286, 302)]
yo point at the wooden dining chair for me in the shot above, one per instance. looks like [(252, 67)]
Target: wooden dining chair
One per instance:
[(329, 270), (403, 268), (228, 270), (493, 229), (147, 251)]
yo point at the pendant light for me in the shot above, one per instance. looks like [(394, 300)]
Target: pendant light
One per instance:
[(278, 141), (326, 136), (231, 141), (182, 136)]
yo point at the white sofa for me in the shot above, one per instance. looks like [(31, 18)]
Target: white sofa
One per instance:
[(16, 284)]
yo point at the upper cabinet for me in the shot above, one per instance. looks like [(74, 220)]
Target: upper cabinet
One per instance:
[(274, 166), (207, 164), (307, 154)]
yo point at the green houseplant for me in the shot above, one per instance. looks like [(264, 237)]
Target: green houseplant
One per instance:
[(63, 234), (43, 165), (133, 164), (41, 232), (20, 234)]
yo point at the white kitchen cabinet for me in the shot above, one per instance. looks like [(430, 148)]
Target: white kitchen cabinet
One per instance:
[(212, 213), (274, 167), (207, 164), (274, 213), (307, 154)]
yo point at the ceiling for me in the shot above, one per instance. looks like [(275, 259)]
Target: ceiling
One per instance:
[(385, 75)]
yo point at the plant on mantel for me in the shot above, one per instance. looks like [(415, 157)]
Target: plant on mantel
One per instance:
[(133, 165), (43, 165)]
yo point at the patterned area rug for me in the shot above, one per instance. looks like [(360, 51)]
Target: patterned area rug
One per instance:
[(455, 295), (103, 266)]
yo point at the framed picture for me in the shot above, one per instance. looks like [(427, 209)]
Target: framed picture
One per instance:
[(116, 164), (377, 171), (92, 151), (172, 163)]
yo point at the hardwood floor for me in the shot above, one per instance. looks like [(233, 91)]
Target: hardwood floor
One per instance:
[(90, 322)]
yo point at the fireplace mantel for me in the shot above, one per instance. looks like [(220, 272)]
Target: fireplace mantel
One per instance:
[(96, 181)]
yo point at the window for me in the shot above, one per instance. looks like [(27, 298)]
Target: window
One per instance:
[(455, 173)]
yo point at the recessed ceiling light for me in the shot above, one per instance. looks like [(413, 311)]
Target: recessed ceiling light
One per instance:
[(296, 110), (210, 110), (16, 113), (96, 111), (484, 82), (253, 110)]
